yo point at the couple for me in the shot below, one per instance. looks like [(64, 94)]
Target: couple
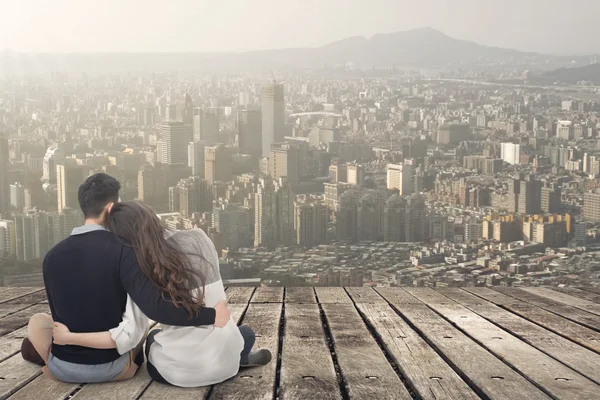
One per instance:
[(119, 269)]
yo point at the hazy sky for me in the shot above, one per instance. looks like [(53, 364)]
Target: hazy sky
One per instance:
[(550, 26)]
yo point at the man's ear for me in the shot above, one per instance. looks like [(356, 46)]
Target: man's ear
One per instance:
[(108, 207)]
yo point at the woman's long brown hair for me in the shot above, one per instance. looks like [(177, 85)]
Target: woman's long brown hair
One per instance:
[(167, 266)]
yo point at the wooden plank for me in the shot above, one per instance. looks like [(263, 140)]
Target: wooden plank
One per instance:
[(129, 389), (332, 295), (258, 382), (307, 370), (365, 295), (21, 318), (495, 379), (419, 363), (11, 344), (582, 304), (16, 373), (268, 294), (366, 371), (571, 330), (20, 303), (302, 295), (575, 314), (582, 360), (44, 388), (595, 290), (16, 292), (239, 295), (582, 294), (554, 377), (397, 296)]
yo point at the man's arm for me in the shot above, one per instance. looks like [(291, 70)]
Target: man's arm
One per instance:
[(149, 299)]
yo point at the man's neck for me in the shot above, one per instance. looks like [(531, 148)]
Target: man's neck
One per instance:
[(93, 221)]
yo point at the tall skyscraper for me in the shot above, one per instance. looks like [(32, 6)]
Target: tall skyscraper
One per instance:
[(190, 196), (273, 116), (206, 125), (188, 110), (61, 224), (511, 153), (8, 240), (152, 186), (400, 177), (196, 161), (550, 200), (4, 166), (310, 223), (53, 157), (355, 174), (218, 164), (32, 235), (176, 136), (68, 178), (17, 196), (530, 196), (274, 216), (284, 162), (406, 219), (250, 132), (233, 222), (591, 207)]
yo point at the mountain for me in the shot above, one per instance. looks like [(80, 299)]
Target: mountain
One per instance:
[(420, 48), (590, 73)]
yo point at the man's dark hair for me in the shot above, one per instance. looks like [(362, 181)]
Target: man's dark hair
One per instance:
[(96, 192)]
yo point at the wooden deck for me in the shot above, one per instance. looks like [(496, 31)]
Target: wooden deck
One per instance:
[(363, 343)]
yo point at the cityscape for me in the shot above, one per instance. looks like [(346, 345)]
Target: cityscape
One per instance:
[(484, 173)]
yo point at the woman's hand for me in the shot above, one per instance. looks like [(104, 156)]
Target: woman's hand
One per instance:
[(62, 334)]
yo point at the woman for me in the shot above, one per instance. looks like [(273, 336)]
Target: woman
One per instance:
[(185, 266)]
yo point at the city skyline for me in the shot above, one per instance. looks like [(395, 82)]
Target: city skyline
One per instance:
[(67, 26)]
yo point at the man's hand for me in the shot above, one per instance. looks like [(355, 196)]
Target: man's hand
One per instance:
[(222, 314), (61, 333)]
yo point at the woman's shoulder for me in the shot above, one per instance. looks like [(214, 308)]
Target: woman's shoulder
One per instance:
[(193, 240)]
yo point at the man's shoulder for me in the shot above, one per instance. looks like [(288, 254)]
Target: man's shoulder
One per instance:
[(90, 240)]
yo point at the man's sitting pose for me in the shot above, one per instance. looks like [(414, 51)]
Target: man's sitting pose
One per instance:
[(88, 277)]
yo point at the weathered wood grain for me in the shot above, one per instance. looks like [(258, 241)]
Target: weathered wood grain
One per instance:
[(557, 379), (21, 318), (16, 292), (20, 303), (366, 372), (397, 296), (582, 304), (582, 360), (16, 373), (582, 294), (267, 295), (332, 295), (571, 330), (365, 295), (491, 376), (307, 369), (302, 295), (130, 389), (10, 344), (43, 388), (256, 383), (239, 295), (575, 314), (427, 372)]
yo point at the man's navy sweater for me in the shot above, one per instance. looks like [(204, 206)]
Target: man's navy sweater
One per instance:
[(87, 278)]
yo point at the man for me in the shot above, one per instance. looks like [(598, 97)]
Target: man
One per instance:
[(88, 277)]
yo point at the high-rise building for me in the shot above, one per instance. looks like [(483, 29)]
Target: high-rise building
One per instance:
[(206, 125), (273, 116), (188, 110), (190, 196), (346, 217), (310, 223), (32, 235), (510, 153), (406, 219), (17, 196), (61, 224), (176, 136), (218, 163), (333, 191), (69, 176), (196, 161), (274, 216), (356, 174), (8, 239), (591, 207), (550, 200), (564, 130), (530, 195), (284, 162), (53, 157), (4, 167), (152, 186), (453, 133), (250, 132), (233, 221), (473, 230), (400, 177)]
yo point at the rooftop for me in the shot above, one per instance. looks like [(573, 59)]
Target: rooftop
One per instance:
[(365, 343)]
